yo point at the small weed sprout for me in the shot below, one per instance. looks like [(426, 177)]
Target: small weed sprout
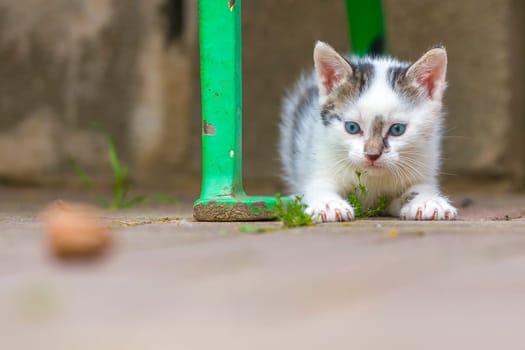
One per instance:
[(120, 185), (292, 213), (246, 228), (360, 193)]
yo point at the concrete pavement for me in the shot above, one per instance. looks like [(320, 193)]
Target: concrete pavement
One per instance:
[(170, 283)]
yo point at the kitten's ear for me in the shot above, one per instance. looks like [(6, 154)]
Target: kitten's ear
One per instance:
[(429, 72), (332, 69)]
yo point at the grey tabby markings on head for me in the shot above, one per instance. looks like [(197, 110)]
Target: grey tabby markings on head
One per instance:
[(352, 87), (400, 83)]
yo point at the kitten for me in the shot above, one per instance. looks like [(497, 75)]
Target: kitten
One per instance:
[(376, 116)]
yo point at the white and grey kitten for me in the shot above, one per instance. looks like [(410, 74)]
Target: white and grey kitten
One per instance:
[(377, 116)]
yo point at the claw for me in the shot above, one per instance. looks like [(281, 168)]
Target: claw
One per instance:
[(338, 215), (349, 215), (434, 209), (323, 216)]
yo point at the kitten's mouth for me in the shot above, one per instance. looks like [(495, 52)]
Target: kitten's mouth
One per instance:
[(373, 167)]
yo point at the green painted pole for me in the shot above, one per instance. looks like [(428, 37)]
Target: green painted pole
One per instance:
[(221, 76), (222, 195), (366, 27)]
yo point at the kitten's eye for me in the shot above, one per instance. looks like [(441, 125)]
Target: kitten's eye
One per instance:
[(352, 128), (397, 129)]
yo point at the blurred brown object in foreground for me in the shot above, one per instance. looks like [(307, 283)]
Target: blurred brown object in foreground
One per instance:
[(75, 230)]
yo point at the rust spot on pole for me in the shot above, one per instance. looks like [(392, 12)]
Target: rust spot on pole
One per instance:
[(231, 4), (208, 128)]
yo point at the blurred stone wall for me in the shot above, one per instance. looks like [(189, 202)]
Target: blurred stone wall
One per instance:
[(486, 93), (71, 69)]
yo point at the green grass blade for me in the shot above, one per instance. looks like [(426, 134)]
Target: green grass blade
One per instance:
[(81, 173), (119, 171)]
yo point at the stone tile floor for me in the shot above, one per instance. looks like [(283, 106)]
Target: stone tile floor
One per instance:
[(171, 283)]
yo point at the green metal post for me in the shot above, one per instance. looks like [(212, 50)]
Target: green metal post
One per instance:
[(222, 196), (366, 27)]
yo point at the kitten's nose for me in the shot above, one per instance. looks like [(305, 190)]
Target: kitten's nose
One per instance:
[(373, 156)]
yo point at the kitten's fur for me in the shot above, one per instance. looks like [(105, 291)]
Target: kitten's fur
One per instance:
[(320, 157)]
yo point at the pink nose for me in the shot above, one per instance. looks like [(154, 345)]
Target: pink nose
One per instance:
[(373, 157)]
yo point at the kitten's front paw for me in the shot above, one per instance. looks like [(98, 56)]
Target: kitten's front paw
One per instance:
[(428, 208), (330, 210)]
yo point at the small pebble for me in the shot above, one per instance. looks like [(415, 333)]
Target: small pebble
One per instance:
[(75, 230)]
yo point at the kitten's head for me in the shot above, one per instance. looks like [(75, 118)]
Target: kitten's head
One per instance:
[(384, 114)]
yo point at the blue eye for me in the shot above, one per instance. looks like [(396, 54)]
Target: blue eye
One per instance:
[(397, 129), (352, 128)]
